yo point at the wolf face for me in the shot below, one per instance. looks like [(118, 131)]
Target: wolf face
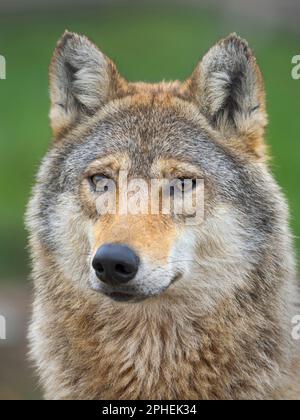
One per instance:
[(210, 128)]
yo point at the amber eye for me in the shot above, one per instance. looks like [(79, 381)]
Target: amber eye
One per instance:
[(100, 182), (185, 185)]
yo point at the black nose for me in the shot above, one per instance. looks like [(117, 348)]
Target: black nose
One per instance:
[(115, 263)]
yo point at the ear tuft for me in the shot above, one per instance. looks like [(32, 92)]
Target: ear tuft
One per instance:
[(82, 80), (228, 87)]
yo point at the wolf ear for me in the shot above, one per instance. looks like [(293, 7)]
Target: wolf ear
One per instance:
[(228, 87), (82, 79)]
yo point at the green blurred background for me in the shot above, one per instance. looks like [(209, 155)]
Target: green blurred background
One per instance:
[(149, 41)]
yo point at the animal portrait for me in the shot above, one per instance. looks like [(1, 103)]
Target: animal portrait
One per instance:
[(132, 305)]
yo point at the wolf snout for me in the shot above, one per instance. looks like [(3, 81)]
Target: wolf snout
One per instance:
[(115, 264)]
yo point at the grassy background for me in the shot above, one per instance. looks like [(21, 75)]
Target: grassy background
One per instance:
[(149, 45)]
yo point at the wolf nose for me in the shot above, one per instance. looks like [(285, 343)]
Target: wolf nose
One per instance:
[(115, 263)]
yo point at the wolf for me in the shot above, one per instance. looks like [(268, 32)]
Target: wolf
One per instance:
[(147, 306)]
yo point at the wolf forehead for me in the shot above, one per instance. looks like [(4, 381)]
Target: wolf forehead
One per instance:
[(142, 134), (145, 132)]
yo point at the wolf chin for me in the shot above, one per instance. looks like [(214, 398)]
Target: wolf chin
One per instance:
[(147, 306)]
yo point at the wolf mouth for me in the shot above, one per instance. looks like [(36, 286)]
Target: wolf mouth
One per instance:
[(126, 296), (120, 296), (176, 278)]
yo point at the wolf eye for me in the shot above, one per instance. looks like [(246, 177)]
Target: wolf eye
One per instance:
[(185, 185), (99, 182)]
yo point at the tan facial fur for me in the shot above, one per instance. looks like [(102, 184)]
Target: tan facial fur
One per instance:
[(154, 237)]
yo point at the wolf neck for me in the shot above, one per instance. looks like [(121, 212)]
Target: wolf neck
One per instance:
[(157, 350)]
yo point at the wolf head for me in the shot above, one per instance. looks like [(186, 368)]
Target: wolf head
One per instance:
[(208, 128)]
